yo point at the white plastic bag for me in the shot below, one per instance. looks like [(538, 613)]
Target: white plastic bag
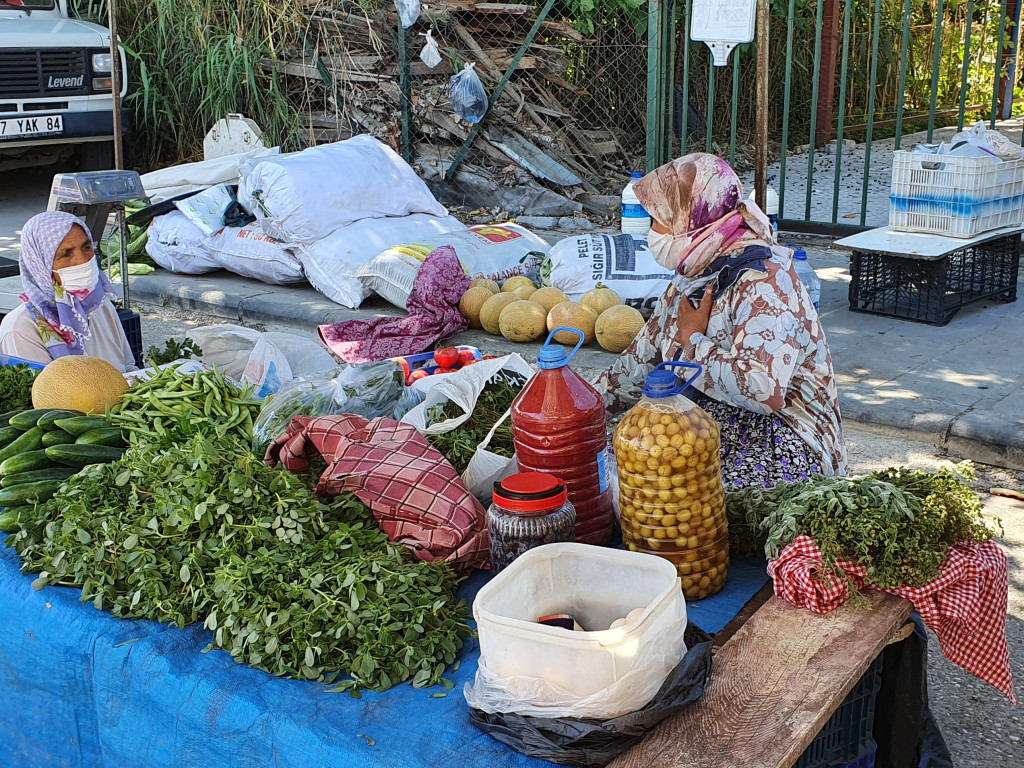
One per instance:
[(226, 347), (206, 209), (467, 95), (278, 358), (495, 251), (178, 179), (408, 11), (330, 264), (463, 387), (430, 55), (250, 252), (178, 245), (302, 198), (620, 262)]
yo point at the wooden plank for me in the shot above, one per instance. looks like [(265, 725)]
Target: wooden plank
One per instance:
[(509, 8), (772, 687), (753, 606), (560, 29)]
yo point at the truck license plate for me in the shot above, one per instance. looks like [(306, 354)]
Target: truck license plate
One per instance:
[(36, 125)]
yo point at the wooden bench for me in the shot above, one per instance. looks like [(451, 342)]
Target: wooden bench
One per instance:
[(774, 683)]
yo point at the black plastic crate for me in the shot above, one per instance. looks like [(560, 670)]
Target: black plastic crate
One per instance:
[(846, 734), (9, 267), (933, 290), (132, 324)]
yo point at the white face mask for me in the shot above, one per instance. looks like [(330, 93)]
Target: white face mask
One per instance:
[(80, 278), (664, 249)]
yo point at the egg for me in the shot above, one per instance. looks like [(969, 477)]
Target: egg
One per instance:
[(617, 623), (634, 615)]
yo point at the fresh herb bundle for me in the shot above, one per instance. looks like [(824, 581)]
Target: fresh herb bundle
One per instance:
[(201, 530), (16, 387), (459, 445), (899, 524), (173, 350)]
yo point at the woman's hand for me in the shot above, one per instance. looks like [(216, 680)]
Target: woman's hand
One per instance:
[(692, 320)]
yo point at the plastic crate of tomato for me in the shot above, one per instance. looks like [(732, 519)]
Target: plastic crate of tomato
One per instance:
[(444, 360)]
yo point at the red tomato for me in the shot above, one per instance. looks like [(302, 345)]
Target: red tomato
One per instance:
[(405, 365), (466, 357), (490, 357), (447, 370), (447, 357), (417, 375)]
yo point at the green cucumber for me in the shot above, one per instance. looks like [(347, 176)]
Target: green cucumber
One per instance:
[(26, 462), (10, 518), (35, 475), (47, 419), (109, 436), (5, 418), (30, 441), (75, 455), (79, 425), (27, 419), (26, 492), (9, 435), (57, 437)]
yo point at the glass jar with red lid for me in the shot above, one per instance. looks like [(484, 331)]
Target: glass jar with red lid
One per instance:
[(528, 509)]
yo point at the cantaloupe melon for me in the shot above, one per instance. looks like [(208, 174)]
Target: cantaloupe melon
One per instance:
[(490, 312), (572, 314), (549, 297), (519, 281), (600, 298), (522, 321), (525, 292), (617, 327), (484, 282), (471, 303), (80, 383)]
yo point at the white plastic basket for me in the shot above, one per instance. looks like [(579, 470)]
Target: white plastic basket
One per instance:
[(955, 196)]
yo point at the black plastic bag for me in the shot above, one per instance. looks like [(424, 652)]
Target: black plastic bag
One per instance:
[(594, 743)]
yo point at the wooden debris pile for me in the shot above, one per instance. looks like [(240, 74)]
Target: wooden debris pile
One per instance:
[(550, 146)]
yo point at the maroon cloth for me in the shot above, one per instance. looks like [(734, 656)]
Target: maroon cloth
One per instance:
[(965, 606), (433, 307), (416, 496)]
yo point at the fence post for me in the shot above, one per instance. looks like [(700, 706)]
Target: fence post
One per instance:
[(827, 72), (405, 89), (655, 85), (761, 150)]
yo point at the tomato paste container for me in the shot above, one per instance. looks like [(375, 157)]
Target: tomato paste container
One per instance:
[(528, 510), (558, 427), (671, 502)]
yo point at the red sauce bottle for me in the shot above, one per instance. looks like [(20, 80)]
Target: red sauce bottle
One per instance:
[(558, 426)]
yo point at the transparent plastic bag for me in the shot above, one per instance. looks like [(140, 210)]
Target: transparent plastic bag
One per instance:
[(408, 11), (466, 92), (430, 55), (367, 389)]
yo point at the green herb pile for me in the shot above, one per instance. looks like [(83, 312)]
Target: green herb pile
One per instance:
[(898, 523), (459, 445), (173, 350), (16, 387), (201, 530)]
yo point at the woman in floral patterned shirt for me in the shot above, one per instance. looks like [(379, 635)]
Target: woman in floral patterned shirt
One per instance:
[(736, 307)]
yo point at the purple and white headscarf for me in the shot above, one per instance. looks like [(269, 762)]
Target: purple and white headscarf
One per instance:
[(62, 317)]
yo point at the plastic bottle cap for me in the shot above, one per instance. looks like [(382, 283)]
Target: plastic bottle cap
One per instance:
[(530, 492), (800, 254), (636, 175), (661, 383), (551, 356)]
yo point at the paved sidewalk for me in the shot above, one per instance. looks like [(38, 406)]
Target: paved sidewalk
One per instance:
[(960, 387)]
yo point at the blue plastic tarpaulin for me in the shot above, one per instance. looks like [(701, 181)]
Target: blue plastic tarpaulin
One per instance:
[(83, 689)]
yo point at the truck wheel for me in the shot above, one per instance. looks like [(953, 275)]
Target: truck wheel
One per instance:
[(96, 156)]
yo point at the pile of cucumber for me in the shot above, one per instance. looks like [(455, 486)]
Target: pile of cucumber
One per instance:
[(41, 448)]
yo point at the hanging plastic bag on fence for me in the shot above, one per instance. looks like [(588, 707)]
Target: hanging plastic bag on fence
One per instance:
[(466, 92), (430, 55), (408, 11), (463, 387), (367, 389)]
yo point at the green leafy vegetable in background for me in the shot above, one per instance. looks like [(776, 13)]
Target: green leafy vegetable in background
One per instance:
[(173, 350), (459, 445), (16, 387)]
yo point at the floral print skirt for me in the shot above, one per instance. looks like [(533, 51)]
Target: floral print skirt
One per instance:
[(757, 447)]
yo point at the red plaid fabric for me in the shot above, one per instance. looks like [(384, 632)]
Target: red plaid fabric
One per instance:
[(965, 606), (416, 496), (433, 307)]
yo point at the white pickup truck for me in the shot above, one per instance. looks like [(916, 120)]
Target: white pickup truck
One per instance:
[(55, 87)]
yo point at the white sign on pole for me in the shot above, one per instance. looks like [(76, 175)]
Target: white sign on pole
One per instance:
[(722, 25)]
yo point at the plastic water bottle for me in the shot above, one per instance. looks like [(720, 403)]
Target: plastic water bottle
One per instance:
[(558, 427), (635, 220), (806, 274), (771, 203)]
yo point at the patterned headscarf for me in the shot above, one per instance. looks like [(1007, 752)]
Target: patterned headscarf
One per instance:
[(699, 199), (62, 317)]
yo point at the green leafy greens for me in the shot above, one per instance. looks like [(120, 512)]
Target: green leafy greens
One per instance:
[(16, 387)]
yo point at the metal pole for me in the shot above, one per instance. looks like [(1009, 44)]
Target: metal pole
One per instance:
[(405, 89), (115, 93), (655, 83), (761, 150)]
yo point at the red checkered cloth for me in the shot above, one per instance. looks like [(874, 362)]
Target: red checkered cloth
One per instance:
[(434, 314), (965, 606), (416, 496)]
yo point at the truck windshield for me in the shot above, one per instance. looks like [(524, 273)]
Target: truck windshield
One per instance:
[(28, 5)]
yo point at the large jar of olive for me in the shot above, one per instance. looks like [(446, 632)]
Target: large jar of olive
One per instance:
[(670, 483)]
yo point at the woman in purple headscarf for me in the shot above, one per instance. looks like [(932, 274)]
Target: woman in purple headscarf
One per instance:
[(736, 307), (67, 307)]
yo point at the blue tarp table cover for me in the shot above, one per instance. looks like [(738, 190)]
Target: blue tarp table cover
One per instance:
[(83, 689)]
